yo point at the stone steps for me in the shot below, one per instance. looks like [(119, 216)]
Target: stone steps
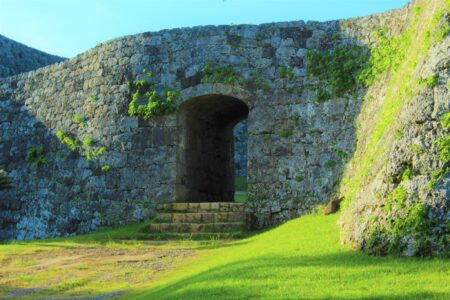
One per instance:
[(201, 207), (194, 236), (205, 219), (210, 217), (196, 227)]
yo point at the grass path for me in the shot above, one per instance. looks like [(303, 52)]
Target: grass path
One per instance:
[(301, 259)]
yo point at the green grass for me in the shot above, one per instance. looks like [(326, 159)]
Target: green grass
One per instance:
[(240, 185), (302, 259)]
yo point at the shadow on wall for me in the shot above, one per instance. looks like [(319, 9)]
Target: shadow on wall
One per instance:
[(299, 162), (62, 182)]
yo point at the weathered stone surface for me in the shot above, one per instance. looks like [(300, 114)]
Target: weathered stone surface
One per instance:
[(293, 139), (17, 58)]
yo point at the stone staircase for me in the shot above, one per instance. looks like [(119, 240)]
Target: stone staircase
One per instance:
[(199, 220)]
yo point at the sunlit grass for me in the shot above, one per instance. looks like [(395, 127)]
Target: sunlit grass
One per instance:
[(300, 259)]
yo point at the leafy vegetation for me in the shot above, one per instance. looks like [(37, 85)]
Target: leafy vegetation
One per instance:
[(258, 81), (336, 69), (404, 221), (147, 102), (36, 155), (66, 140), (392, 64), (78, 119), (85, 146), (389, 57), (223, 74), (443, 147), (286, 72)]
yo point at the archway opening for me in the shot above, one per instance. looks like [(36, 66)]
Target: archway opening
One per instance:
[(205, 151)]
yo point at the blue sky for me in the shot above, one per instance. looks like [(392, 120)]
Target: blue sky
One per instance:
[(69, 27)]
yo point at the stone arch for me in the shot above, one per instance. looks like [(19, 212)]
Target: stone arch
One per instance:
[(205, 121)]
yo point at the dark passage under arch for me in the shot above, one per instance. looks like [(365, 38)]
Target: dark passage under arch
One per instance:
[(205, 168)]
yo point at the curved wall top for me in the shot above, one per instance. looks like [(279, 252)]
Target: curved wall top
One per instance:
[(130, 164)]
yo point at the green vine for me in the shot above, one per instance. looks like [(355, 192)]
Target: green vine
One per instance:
[(147, 103), (84, 147), (36, 155), (336, 69), (224, 74)]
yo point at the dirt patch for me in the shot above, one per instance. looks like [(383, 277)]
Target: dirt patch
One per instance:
[(85, 272)]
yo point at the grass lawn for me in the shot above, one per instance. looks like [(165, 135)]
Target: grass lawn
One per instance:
[(240, 186), (300, 259)]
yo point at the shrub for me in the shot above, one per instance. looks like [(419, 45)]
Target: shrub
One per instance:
[(336, 68), (35, 155), (147, 102)]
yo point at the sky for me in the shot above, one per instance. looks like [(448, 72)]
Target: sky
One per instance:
[(69, 27)]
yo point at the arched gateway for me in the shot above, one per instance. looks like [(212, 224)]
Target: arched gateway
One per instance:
[(205, 121)]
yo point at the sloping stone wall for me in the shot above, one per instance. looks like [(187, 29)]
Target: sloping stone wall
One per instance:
[(296, 144), (17, 58)]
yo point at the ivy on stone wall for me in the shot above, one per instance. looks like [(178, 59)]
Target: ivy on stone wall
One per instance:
[(84, 147), (36, 155), (147, 103), (223, 74), (336, 69)]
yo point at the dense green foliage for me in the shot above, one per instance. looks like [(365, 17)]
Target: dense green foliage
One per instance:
[(36, 155), (387, 56), (405, 218), (147, 102), (336, 69)]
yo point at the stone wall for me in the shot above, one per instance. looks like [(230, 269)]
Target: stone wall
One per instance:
[(297, 145), (17, 58), (399, 187)]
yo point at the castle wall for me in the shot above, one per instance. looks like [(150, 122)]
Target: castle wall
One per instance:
[(296, 144)]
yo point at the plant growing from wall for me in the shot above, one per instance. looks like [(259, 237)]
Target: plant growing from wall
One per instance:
[(393, 63), (78, 119), (223, 74), (84, 147), (36, 156), (147, 103), (335, 69), (66, 140), (233, 39), (5, 181), (258, 81), (286, 73)]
